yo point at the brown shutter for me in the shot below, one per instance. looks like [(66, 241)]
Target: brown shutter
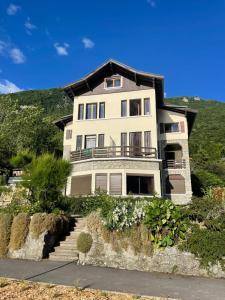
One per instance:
[(162, 128), (182, 129), (81, 185), (101, 182), (101, 140), (147, 139), (79, 142), (115, 184)]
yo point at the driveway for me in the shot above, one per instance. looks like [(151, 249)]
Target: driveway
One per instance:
[(140, 283)]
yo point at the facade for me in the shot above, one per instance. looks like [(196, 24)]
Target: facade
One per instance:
[(123, 139)]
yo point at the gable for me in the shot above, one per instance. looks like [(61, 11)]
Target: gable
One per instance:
[(134, 80)]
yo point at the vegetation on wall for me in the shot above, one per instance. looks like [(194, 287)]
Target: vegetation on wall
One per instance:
[(19, 231), (84, 242), (5, 227)]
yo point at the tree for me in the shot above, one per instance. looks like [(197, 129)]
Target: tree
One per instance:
[(45, 177)]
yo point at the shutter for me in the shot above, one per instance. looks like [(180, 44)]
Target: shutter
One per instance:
[(182, 129), (101, 182), (115, 184), (162, 128), (123, 144), (101, 140), (79, 142), (81, 185), (68, 134), (147, 139)]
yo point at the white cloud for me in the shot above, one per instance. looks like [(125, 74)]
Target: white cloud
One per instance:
[(88, 44), (62, 50), (12, 9), (29, 26), (3, 47), (7, 87), (17, 56), (152, 3)]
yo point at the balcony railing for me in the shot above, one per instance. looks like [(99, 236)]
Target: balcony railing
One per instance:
[(113, 152), (174, 164)]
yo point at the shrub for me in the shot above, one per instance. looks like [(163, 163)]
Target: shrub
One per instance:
[(165, 222), (84, 242), (125, 213), (19, 231), (22, 159), (206, 244), (45, 178), (5, 227), (54, 224)]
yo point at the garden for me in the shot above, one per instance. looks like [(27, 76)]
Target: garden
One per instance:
[(143, 225)]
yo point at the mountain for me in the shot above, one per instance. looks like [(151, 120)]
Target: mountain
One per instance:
[(207, 140)]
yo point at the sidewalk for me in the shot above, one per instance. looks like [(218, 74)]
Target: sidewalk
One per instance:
[(140, 283)]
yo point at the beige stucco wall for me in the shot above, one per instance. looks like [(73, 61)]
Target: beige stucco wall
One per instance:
[(165, 116), (113, 124)]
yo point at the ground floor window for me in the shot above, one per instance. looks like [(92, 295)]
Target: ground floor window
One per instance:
[(101, 182), (140, 185), (115, 184), (81, 185), (175, 184)]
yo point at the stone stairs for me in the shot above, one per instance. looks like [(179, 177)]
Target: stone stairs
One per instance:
[(67, 249)]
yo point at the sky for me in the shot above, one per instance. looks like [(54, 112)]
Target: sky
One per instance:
[(50, 43)]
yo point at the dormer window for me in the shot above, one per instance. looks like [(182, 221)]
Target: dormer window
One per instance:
[(113, 82)]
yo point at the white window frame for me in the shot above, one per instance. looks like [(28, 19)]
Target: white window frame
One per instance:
[(113, 78)]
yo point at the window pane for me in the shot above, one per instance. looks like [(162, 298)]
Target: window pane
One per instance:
[(91, 111), (101, 140), (147, 106), (81, 112), (94, 111), (102, 110), (101, 182), (172, 127), (115, 184), (109, 83), (124, 144), (79, 142), (90, 141), (117, 82), (147, 139), (123, 108), (135, 107), (68, 134)]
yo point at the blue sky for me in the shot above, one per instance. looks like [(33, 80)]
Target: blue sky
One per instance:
[(50, 43)]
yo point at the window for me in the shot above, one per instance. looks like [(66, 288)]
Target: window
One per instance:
[(123, 108), (101, 140), (115, 184), (135, 143), (124, 144), (147, 106), (68, 134), (135, 107), (140, 185), (101, 110), (171, 127), (80, 111), (147, 139), (91, 111), (114, 82), (101, 182), (81, 185), (79, 142), (90, 141)]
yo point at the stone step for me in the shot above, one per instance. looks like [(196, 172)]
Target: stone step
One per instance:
[(68, 243), (63, 251), (63, 258), (67, 246)]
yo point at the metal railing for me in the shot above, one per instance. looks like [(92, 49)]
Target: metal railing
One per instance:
[(174, 164), (113, 152)]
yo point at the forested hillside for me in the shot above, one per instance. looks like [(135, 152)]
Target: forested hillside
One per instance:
[(32, 128)]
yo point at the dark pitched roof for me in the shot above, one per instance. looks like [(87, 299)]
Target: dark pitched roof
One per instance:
[(61, 123), (109, 68), (188, 112)]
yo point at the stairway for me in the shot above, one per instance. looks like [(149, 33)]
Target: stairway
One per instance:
[(67, 249)]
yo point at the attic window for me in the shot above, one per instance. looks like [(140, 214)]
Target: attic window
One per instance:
[(113, 82)]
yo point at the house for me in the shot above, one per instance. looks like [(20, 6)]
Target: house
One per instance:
[(123, 139)]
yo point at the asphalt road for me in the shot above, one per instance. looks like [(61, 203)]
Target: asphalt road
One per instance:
[(140, 283)]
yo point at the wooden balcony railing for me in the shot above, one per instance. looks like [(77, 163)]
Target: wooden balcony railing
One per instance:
[(113, 152), (174, 164)]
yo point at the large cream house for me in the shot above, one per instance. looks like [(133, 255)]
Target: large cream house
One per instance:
[(123, 139)]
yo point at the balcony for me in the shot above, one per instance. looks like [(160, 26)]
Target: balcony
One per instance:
[(114, 152), (174, 164)]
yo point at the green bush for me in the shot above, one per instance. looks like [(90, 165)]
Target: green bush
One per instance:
[(84, 242), (165, 222), (208, 245), (5, 227), (22, 159), (45, 177), (19, 231)]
